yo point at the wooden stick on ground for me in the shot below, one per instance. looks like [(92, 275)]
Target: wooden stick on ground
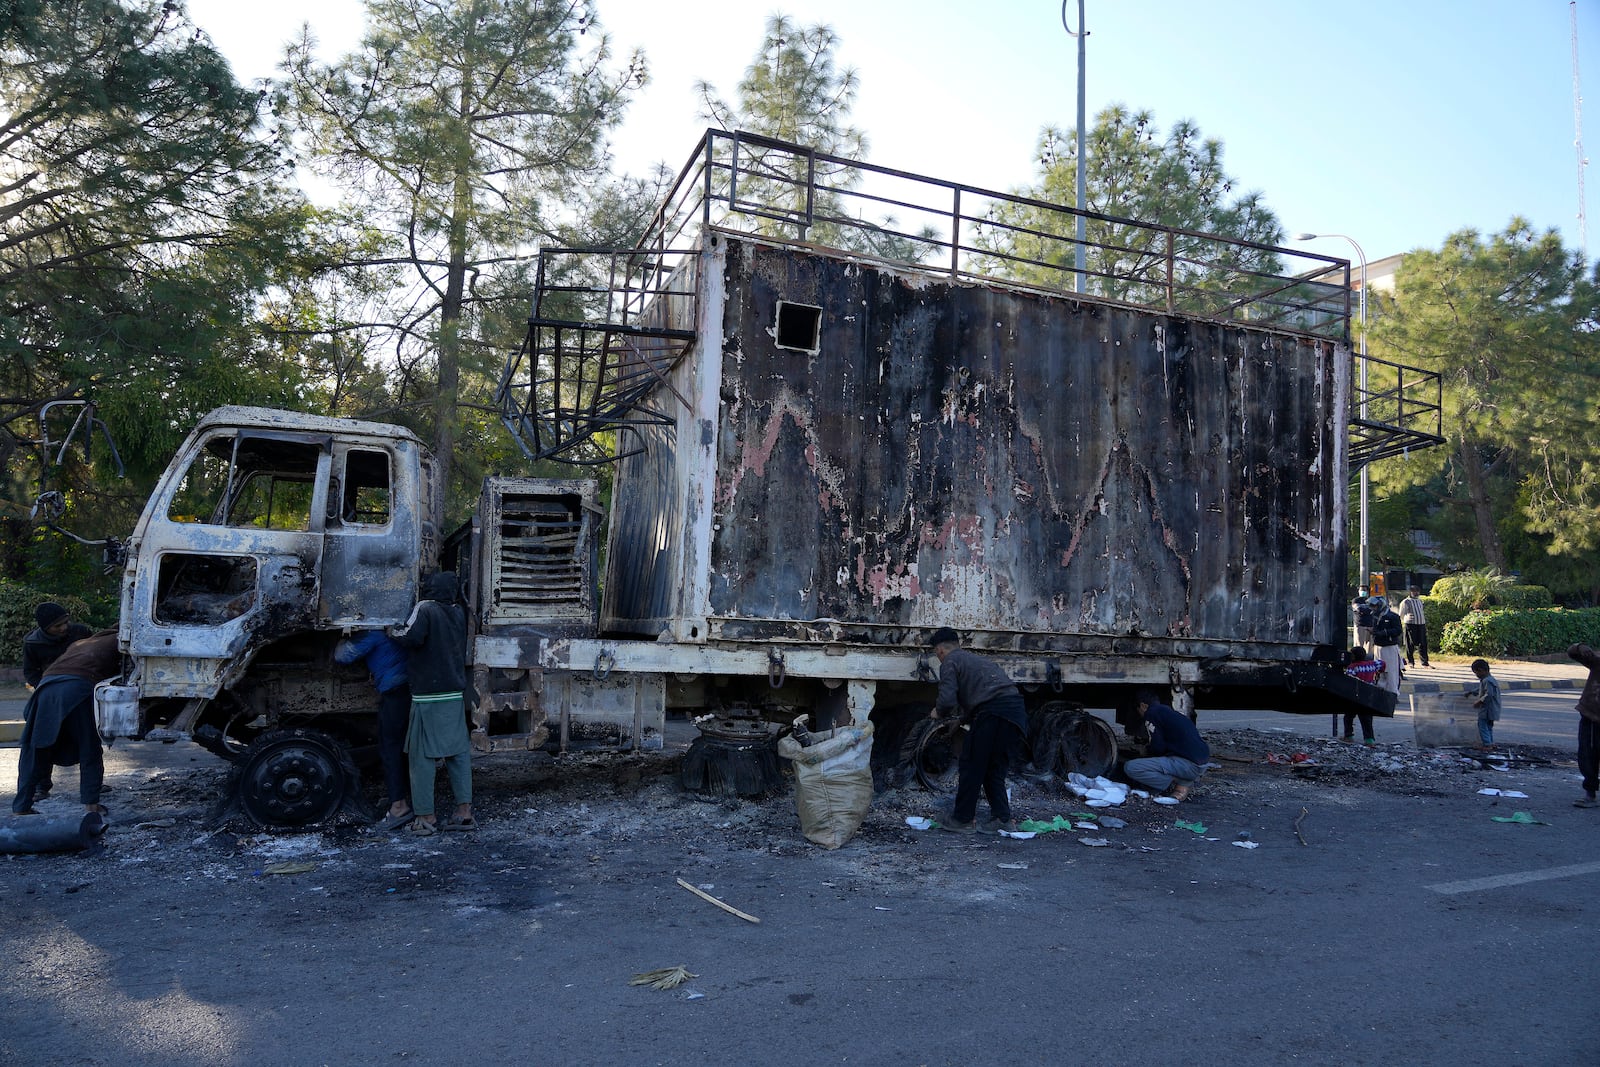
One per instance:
[(1303, 813), (730, 909)]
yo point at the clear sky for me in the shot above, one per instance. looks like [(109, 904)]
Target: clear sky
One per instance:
[(1394, 122)]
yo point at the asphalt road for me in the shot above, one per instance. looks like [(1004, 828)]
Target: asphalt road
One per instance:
[(1529, 717), (1408, 927)]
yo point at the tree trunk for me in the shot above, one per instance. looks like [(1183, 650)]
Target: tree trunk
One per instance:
[(1478, 499), (450, 309)]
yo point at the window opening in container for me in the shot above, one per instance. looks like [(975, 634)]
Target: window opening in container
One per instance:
[(799, 326)]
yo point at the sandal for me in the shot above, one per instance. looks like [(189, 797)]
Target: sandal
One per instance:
[(423, 829), (395, 822), (452, 823)]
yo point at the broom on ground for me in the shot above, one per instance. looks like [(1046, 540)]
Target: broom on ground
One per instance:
[(665, 978)]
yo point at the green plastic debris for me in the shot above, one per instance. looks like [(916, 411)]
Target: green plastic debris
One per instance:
[(1035, 826), (1197, 827), (1085, 815), (1519, 817)]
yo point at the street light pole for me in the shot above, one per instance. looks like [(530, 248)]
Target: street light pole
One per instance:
[(1361, 372), (1082, 35)]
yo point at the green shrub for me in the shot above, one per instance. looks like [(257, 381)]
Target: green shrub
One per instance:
[(1509, 632), (1441, 612), (1524, 596), (1471, 589), (17, 602)]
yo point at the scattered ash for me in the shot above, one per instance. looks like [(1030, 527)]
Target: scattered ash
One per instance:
[(613, 818)]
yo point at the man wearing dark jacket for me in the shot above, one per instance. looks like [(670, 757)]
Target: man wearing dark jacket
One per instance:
[(1386, 633), (59, 728), (42, 647), (55, 632), (1176, 755), (991, 706), (435, 640), (1588, 726)]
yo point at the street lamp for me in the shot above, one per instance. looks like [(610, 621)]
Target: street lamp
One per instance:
[(1082, 35), (1361, 372)]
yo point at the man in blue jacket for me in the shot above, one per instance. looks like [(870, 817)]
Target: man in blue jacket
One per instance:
[(386, 662), (1177, 754)]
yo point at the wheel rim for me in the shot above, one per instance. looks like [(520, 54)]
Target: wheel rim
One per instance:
[(937, 755), (291, 780), (1089, 746)]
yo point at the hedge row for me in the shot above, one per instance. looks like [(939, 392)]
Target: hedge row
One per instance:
[(17, 602), (1441, 613), (1509, 632), (1523, 596)]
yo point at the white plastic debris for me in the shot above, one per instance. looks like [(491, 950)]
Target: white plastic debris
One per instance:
[(918, 822), (1094, 842), (1096, 788), (1085, 825), (1013, 866), (1503, 793), (1165, 800), (1247, 844), (1019, 835)]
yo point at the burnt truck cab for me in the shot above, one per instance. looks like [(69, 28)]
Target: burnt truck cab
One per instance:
[(270, 535)]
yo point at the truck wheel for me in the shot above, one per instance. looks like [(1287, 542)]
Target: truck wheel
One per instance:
[(932, 749), (293, 778), (1068, 739)]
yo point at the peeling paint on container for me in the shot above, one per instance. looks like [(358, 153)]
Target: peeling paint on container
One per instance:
[(999, 461)]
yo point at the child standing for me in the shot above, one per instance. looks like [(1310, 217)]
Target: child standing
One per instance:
[(1488, 702), (1363, 668)]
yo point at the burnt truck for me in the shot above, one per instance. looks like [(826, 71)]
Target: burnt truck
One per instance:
[(842, 406)]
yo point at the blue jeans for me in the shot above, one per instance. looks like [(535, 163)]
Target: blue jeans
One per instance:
[(1485, 729), (1161, 773)]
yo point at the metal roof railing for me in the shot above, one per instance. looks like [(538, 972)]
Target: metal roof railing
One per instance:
[(609, 324)]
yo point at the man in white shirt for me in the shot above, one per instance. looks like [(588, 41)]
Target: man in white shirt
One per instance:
[(1416, 625)]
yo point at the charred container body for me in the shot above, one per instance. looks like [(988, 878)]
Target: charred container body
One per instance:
[(1102, 496)]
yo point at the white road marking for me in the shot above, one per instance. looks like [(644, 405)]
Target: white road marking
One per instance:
[(1473, 885)]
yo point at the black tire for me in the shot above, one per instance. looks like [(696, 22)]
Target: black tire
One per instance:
[(293, 778)]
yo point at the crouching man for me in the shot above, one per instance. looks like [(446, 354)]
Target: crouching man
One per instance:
[(1176, 755)]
